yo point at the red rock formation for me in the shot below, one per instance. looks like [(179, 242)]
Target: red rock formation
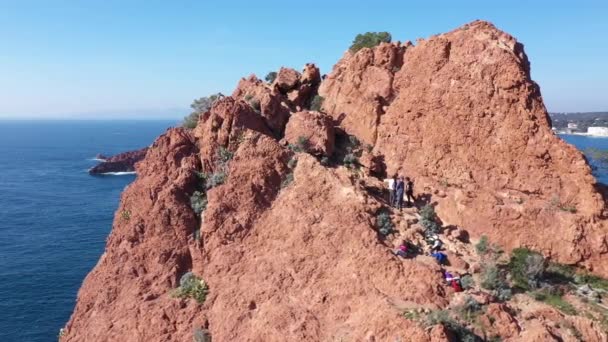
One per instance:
[(460, 113), (303, 260), (122, 162), (317, 128)]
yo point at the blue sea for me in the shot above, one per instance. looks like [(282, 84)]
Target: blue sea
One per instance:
[(54, 217)]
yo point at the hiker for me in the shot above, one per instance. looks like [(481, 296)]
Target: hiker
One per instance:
[(436, 247), (409, 191), (391, 189), (399, 189), (455, 283), (440, 257), (402, 250)]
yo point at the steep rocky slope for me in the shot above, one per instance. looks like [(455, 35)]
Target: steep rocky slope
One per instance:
[(288, 242), (460, 113)]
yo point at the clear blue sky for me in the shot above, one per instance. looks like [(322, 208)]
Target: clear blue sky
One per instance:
[(77, 58)]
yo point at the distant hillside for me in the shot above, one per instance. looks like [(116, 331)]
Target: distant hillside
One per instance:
[(583, 120)]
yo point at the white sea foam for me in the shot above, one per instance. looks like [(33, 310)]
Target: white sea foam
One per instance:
[(97, 159), (118, 173)]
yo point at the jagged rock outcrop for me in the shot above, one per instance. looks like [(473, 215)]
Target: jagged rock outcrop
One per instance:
[(460, 113), (125, 296), (291, 249), (317, 128), (122, 162)]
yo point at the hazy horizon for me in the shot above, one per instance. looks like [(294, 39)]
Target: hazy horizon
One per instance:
[(82, 60)]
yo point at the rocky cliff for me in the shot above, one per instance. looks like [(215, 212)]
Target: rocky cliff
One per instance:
[(122, 162), (287, 239)]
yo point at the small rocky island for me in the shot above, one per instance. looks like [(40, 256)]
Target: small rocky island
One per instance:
[(122, 162)]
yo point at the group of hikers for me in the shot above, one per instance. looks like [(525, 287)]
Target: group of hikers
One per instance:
[(407, 250), (400, 187)]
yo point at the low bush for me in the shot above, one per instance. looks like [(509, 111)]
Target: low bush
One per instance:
[(351, 161), (191, 286), (301, 145), (199, 106), (198, 202), (287, 180), (317, 103), (201, 335), (369, 40), (554, 298), (526, 268), (467, 282), (492, 278), (443, 317), (223, 155), (428, 219), (384, 224), (215, 179), (125, 214), (324, 161), (271, 76), (292, 163), (482, 246), (469, 309)]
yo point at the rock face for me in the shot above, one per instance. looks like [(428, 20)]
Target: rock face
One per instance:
[(460, 114), (123, 162), (317, 128), (290, 248)]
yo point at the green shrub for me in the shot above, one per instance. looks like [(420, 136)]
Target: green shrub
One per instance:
[(317, 103), (191, 286), (443, 317), (467, 282), (198, 202), (482, 246), (292, 163), (437, 317), (125, 214), (224, 155), (301, 145), (324, 161), (468, 309), (288, 179), (199, 106), (491, 278), (428, 219), (369, 40), (248, 97), (216, 178), (271, 76), (526, 268), (201, 335), (555, 299), (191, 120), (593, 280), (354, 142), (384, 223), (351, 161), (428, 212)]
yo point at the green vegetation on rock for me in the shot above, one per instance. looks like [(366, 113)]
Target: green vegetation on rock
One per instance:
[(191, 286), (369, 40), (199, 106)]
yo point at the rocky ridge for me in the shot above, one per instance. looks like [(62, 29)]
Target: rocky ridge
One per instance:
[(288, 242)]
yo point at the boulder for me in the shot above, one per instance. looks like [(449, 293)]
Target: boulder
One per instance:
[(316, 128), (287, 79)]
